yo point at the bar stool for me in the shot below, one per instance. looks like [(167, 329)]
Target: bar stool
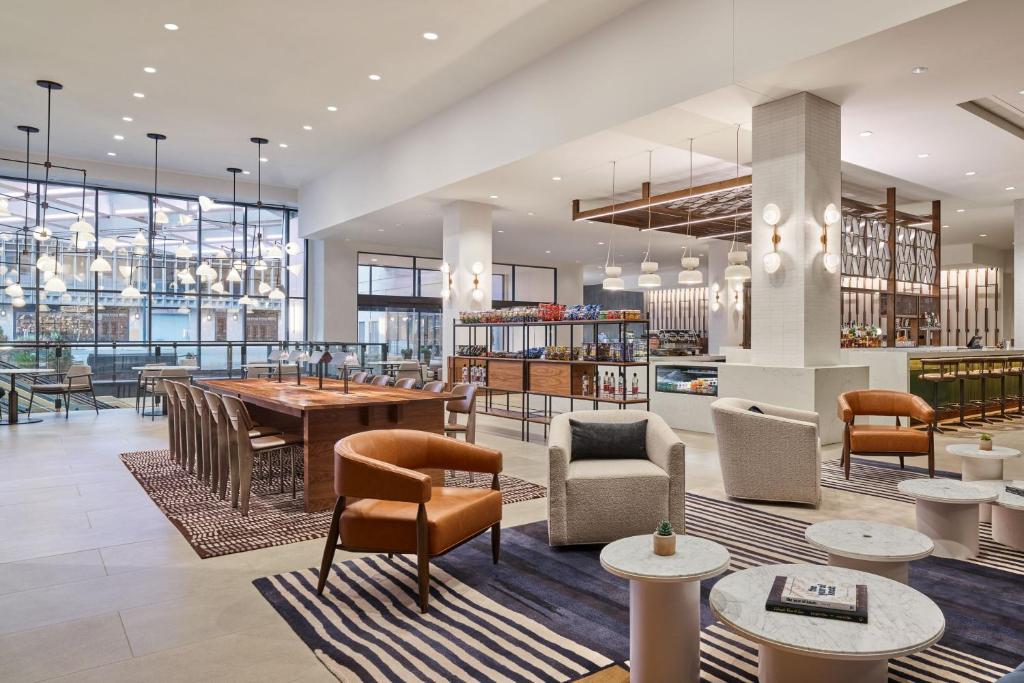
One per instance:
[(940, 371), (989, 369), (1015, 368), (964, 374)]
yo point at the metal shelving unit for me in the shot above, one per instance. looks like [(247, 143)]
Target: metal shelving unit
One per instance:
[(505, 336)]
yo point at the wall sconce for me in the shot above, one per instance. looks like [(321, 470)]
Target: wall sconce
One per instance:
[(478, 269), (832, 216), (446, 276), (772, 214), (737, 297), (716, 297)]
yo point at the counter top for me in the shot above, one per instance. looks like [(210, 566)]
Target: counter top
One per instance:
[(931, 351)]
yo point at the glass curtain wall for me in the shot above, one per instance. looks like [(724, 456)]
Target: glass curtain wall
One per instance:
[(176, 305)]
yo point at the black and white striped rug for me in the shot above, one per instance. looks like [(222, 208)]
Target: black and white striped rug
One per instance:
[(569, 604), (213, 528)]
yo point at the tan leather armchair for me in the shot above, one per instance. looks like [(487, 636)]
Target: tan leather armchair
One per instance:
[(876, 440), (385, 504)]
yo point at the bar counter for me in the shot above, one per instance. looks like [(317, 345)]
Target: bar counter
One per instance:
[(323, 416)]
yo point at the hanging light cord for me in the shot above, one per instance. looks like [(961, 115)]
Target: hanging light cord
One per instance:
[(610, 259), (650, 161), (735, 219)]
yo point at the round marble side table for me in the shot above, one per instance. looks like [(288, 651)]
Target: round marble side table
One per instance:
[(1007, 514), (979, 465), (874, 547), (794, 647), (947, 513), (664, 603)]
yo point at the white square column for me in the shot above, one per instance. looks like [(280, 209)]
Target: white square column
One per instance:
[(1018, 272), (796, 165), (467, 232)]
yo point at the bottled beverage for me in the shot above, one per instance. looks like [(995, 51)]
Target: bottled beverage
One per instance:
[(465, 374), (636, 385), (585, 388)]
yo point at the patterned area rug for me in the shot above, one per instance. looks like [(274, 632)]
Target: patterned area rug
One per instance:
[(213, 528), (568, 603)]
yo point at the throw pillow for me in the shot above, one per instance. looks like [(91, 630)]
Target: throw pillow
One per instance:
[(609, 440)]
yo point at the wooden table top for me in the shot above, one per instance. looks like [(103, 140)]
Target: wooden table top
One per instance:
[(286, 397)]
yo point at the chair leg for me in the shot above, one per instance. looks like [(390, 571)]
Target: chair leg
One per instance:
[(901, 462), (244, 483), (495, 541), (294, 453), (422, 558), (31, 398), (846, 453), (67, 405), (95, 403), (330, 546)]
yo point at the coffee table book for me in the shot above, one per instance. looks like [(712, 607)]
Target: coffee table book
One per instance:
[(1015, 490), (775, 603)]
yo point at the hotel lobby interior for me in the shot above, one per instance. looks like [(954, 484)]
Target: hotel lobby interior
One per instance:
[(534, 340)]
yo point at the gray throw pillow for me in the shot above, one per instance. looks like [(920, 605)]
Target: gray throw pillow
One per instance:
[(609, 440)]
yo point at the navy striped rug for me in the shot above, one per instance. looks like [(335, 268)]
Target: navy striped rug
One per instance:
[(368, 627)]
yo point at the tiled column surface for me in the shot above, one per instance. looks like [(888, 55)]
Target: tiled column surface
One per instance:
[(725, 326), (1018, 267), (796, 165), (467, 240)]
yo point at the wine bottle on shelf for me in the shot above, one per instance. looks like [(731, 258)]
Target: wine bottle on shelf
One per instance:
[(465, 374)]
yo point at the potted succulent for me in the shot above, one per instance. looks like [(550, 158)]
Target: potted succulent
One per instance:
[(665, 539), (984, 441)]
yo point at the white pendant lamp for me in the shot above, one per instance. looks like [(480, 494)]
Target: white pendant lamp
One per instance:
[(245, 300), (55, 285), (292, 248), (185, 277), (276, 294), (205, 271), (295, 268), (183, 251), (274, 251), (613, 281), (737, 270), (263, 288), (18, 302), (41, 233), (46, 263), (14, 290), (140, 239), (100, 265), (108, 243), (205, 203), (233, 275), (5, 207), (217, 287), (131, 292), (689, 275), (160, 217), (82, 226), (184, 219), (259, 266), (82, 240), (612, 273), (220, 253)]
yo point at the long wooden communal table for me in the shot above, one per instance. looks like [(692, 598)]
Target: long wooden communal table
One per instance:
[(325, 415)]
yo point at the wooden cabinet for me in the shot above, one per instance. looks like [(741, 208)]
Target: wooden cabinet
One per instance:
[(505, 374), (550, 378)]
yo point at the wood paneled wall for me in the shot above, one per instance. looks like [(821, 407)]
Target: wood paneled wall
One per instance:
[(971, 304)]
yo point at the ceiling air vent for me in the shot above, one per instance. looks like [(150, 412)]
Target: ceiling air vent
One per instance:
[(998, 112)]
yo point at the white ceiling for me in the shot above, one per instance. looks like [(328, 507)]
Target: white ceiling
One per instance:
[(242, 68), (971, 50)]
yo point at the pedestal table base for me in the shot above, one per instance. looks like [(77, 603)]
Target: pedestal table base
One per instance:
[(897, 571), (952, 527), (664, 631), (779, 666)]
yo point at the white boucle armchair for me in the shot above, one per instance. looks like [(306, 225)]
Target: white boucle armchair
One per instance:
[(771, 457), (599, 501)]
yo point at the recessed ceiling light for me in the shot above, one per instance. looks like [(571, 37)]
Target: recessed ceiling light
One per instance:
[(140, 95), (373, 260), (970, 173), (494, 196), (501, 231), (866, 133), (331, 107), (918, 70), (263, 160), (149, 69), (380, 229), (556, 178), (923, 155), (119, 137), (374, 77), (982, 234), (246, 172), (430, 35), (171, 27), (111, 154), (1009, 187), (283, 145), (529, 213), (945, 226), (960, 210), (547, 251), (600, 244), (127, 118), (307, 127), (1020, 92)]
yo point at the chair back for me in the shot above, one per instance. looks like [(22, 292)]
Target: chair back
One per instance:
[(380, 380), (184, 395), (238, 416), (216, 407), (405, 383), (409, 369), (879, 402), (198, 400), (360, 377), (435, 387), (79, 377), (463, 400)]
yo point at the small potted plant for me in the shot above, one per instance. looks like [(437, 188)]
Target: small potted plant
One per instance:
[(665, 539), (984, 441)]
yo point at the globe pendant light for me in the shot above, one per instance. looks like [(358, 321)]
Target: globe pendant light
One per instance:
[(100, 265), (292, 248), (649, 278), (613, 274), (14, 290)]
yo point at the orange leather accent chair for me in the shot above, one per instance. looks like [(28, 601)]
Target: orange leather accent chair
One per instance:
[(878, 440), (386, 505)]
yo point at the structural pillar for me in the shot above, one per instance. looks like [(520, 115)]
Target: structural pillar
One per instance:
[(1018, 267), (796, 165), (467, 233)]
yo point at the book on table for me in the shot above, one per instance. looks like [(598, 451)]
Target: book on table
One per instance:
[(819, 598), (1015, 490)]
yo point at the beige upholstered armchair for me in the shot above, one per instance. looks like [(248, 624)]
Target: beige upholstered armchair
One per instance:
[(599, 501), (771, 456)]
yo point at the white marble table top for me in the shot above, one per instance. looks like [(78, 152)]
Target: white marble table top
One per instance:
[(1005, 499), (900, 619), (26, 371), (971, 450), (695, 559), (946, 491), (873, 541)]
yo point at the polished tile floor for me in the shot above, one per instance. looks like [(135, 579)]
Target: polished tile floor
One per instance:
[(97, 585)]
